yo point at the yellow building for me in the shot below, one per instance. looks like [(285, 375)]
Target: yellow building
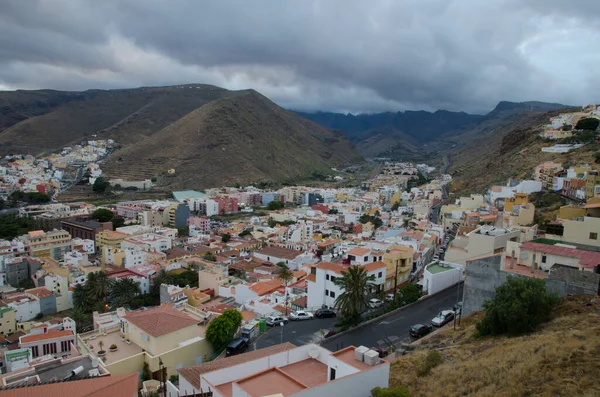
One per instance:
[(53, 244), (110, 238), (581, 230), (519, 199), (592, 185), (8, 324), (195, 296), (398, 263), (113, 255), (396, 198), (569, 212)]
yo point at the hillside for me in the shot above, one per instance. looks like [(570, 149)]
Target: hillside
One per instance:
[(510, 150), (45, 120), (560, 359), (240, 139), (416, 135)]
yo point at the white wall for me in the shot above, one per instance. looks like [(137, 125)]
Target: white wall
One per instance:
[(434, 283), (358, 385)]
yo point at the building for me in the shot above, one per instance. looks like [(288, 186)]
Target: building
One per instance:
[(85, 230), (148, 242), (7, 320), (227, 205), (294, 259), (109, 238), (150, 218), (176, 215), (53, 244), (580, 230), (198, 226), (18, 270), (150, 336), (58, 343), (441, 275), (399, 264), (285, 370), (592, 185), (485, 240), (543, 254), (114, 386), (173, 294)]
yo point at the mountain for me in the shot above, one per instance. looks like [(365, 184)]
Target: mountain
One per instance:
[(210, 135), (239, 139), (414, 135)]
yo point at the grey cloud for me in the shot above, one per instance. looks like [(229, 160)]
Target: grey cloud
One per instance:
[(349, 55)]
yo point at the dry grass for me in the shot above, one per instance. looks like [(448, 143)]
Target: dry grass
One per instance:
[(561, 359)]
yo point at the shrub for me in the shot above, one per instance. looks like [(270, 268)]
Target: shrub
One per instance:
[(589, 123), (103, 215), (432, 360), (113, 346), (100, 185), (222, 329), (398, 391), (173, 378), (519, 306)]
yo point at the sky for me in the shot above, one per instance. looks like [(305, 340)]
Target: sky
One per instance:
[(331, 55)]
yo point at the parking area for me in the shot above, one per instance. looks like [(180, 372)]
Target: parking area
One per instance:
[(296, 332)]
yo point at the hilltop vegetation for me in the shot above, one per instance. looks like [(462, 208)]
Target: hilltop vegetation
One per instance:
[(560, 359)]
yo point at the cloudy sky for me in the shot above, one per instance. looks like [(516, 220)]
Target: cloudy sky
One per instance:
[(346, 55)]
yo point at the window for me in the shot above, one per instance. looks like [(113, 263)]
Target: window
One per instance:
[(332, 294), (332, 279), (327, 277), (331, 374), (366, 258), (593, 236), (543, 258), (380, 274), (326, 292)]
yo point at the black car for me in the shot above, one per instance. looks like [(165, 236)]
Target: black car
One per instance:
[(419, 330), (324, 313), (237, 346)]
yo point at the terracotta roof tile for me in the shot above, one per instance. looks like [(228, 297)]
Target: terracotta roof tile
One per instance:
[(47, 335), (160, 320), (587, 259), (192, 374), (264, 287), (279, 252), (374, 266), (40, 292), (359, 251), (113, 386), (331, 267), (312, 277)]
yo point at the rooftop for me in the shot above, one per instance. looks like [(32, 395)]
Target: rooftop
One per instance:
[(272, 381), (47, 335), (114, 386), (436, 268), (279, 252), (111, 338), (160, 320)]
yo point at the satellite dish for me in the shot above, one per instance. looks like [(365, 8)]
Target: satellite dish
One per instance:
[(314, 353)]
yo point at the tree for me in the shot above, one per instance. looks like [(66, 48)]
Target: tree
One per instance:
[(519, 306), (225, 237), (286, 275), (12, 226), (245, 232), (162, 277), (397, 391), (395, 206), (100, 185), (118, 221), (588, 123), (356, 285), (566, 127), (103, 215), (333, 211), (82, 319), (597, 157), (275, 205), (183, 231), (81, 300), (123, 292), (209, 256), (408, 294), (223, 328), (99, 286)]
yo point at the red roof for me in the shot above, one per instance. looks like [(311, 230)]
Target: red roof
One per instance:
[(160, 320), (114, 386), (587, 259), (47, 335)]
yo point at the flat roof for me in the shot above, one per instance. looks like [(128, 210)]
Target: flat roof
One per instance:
[(436, 268), (181, 195), (269, 382)]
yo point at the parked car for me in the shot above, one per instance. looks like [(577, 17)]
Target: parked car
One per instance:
[(276, 320), (443, 318), (382, 352), (325, 313), (236, 346), (374, 303), (300, 315), (389, 298), (419, 330)]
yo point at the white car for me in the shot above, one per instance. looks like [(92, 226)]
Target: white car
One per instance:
[(300, 315), (443, 318), (276, 320), (374, 303)]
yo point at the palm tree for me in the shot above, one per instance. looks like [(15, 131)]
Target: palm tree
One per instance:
[(123, 292), (356, 285), (99, 287), (162, 277), (285, 275), (81, 299)]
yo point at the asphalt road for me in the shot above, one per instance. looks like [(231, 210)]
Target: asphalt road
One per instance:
[(394, 329), (297, 332)]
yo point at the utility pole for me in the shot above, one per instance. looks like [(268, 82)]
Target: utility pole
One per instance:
[(396, 281)]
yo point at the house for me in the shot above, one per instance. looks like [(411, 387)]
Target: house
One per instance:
[(173, 294), (399, 264), (8, 323), (148, 336), (53, 244), (362, 256), (482, 241), (55, 343), (19, 269), (142, 278), (110, 238), (543, 254), (440, 275), (580, 229), (308, 370), (294, 259)]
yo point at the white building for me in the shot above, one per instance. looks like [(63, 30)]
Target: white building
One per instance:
[(148, 241), (283, 370), (441, 275), (88, 245)]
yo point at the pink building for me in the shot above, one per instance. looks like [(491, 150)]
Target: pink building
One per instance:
[(128, 211), (227, 205)]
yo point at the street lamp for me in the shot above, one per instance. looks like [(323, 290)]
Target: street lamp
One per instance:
[(162, 376), (281, 325)]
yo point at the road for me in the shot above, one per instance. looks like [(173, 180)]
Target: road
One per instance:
[(395, 327), (297, 332)]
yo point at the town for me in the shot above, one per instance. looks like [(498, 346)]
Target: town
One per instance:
[(206, 293)]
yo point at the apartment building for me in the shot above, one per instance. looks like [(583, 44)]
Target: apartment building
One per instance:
[(150, 218), (227, 205), (176, 215), (399, 264), (110, 238), (14, 271), (286, 370), (485, 240), (592, 185), (53, 244), (148, 242), (174, 295), (85, 229), (580, 230)]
